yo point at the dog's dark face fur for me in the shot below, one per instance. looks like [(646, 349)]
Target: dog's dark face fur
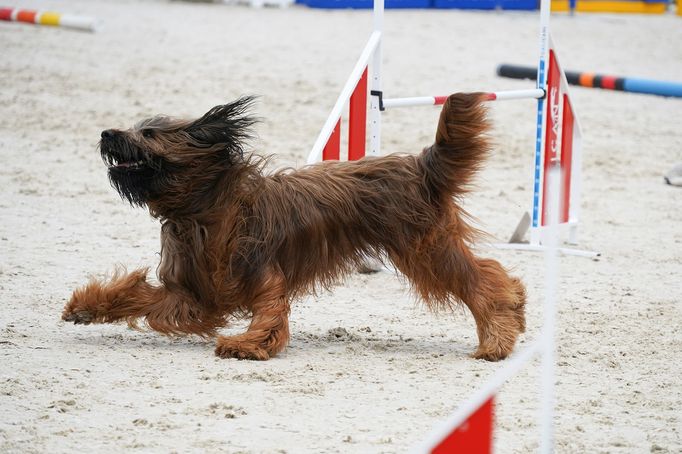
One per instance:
[(161, 157)]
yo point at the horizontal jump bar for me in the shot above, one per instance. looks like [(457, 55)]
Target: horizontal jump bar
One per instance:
[(534, 93), (586, 79), (47, 18)]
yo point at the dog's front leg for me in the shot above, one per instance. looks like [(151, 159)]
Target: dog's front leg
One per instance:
[(128, 296), (123, 295), (268, 332)]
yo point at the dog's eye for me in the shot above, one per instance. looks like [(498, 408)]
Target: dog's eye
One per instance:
[(147, 133)]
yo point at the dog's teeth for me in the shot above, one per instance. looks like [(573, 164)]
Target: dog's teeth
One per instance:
[(115, 161)]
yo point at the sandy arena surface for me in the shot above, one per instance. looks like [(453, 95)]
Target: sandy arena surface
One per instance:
[(368, 369)]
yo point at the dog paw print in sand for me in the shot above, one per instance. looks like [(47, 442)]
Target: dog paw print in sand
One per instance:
[(63, 406), (220, 410), (340, 334)]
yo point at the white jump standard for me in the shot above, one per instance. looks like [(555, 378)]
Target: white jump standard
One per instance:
[(555, 204)]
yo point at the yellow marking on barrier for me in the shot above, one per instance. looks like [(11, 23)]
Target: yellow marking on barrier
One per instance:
[(50, 18), (589, 6)]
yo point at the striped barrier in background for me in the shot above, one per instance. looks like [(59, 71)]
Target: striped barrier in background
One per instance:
[(607, 82), (48, 18)]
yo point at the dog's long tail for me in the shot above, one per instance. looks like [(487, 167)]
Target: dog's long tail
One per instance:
[(461, 147)]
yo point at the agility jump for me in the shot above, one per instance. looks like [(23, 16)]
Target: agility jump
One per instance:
[(556, 194), (563, 144)]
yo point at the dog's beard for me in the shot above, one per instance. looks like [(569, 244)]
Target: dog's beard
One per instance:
[(132, 171)]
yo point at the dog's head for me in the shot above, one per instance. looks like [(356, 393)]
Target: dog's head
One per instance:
[(163, 160)]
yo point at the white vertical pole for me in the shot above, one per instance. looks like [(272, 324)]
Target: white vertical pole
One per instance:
[(551, 242), (375, 83), (540, 122)]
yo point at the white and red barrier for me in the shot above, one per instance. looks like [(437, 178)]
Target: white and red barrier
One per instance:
[(556, 197), (358, 116), (354, 92), (470, 428), (48, 18), (558, 138), (563, 144)]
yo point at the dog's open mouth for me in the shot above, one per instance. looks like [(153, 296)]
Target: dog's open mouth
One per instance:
[(129, 165), (118, 155)]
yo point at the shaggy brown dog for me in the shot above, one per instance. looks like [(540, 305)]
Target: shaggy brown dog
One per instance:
[(236, 242)]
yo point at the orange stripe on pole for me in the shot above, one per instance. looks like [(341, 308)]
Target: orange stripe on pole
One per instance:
[(332, 148), (357, 122), (566, 160), (439, 100), (586, 79), (27, 15)]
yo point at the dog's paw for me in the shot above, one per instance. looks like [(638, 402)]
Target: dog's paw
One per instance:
[(489, 355), (495, 348), (227, 349), (80, 309), (78, 318)]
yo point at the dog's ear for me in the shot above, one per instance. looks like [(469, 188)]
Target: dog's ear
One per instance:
[(228, 124)]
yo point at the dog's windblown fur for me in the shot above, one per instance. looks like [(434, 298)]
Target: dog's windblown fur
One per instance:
[(236, 242)]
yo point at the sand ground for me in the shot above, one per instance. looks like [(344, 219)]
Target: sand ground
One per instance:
[(368, 369)]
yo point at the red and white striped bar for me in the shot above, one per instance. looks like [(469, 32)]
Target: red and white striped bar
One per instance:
[(48, 18), (534, 93)]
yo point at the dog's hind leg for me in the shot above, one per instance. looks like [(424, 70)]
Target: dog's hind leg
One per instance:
[(268, 332), (444, 270), (128, 296), (498, 306)]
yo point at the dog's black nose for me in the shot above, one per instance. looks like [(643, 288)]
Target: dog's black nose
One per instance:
[(107, 134)]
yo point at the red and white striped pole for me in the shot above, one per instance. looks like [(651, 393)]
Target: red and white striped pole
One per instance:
[(358, 116), (48, 18), (534, 93)]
